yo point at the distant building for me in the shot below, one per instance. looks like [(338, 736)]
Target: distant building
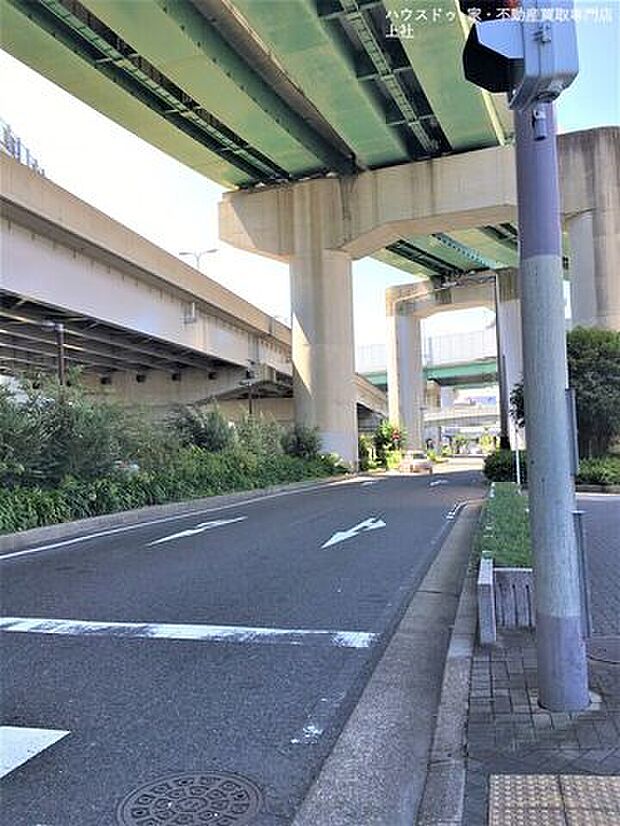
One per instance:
[(11, 144)]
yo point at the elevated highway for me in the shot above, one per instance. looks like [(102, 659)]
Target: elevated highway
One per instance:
[(249, 97), (138, 322), (346, 129)]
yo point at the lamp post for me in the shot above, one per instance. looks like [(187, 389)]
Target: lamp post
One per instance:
[(250, 375), (198, 255), (59, 328)]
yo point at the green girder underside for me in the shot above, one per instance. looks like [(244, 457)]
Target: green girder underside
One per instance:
[(472, 374), (178, 41)]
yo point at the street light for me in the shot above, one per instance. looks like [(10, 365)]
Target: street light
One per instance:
[(59, 328), (198, 255), (250, 375)]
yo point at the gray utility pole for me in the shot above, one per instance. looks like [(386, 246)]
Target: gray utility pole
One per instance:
[(528, 49), (561, 654)]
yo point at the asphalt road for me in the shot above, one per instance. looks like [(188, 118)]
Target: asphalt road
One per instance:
[(250, 687)]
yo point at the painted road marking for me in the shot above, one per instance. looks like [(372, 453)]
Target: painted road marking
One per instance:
[(200, 528), (452, 514), (438, 482), (174, 631), (185, 515), (18, 745), (371, 524)]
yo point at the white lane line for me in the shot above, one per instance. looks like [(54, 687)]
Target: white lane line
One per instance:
[(174, 631), (18, 745), (371, 524), (200, 528), (185, 515)]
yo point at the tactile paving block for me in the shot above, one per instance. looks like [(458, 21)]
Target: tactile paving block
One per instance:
[(576, 817), (528, 817), (524, 791), (591, 793)]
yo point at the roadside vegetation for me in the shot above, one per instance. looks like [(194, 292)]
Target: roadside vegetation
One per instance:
[(65, 455), (504, 530), (594, 371), (500, 466), (381, 450)]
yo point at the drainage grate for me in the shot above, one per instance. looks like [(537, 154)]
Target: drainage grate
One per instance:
[(606, 649), (192, 799)]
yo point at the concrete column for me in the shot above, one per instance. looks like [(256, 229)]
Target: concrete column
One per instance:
[(322, 329), (405, 372), (594, 238), (510, 349)]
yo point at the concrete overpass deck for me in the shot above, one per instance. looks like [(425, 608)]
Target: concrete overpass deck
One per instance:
[(136, 320), (248, 97)]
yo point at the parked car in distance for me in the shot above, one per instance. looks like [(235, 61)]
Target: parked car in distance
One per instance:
[(416, 461)]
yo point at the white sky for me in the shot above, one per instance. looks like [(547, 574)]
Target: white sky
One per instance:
[(176, 208)]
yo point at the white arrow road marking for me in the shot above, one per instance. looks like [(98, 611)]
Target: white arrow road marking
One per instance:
[(203, 526), (368, 525), (438, 482), (18, 745)]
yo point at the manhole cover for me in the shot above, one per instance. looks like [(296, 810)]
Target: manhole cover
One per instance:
[(196, 799), (606, 649)]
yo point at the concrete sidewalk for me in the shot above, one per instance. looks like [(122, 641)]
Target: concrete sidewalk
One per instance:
[(520, 763)]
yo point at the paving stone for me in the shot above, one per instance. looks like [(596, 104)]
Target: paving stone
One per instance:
[(513, 735)]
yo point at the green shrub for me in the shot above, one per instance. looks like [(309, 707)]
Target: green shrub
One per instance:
[(49, 432), (259, 435), (500, 466), (601, 471), (193, 473), (389, 439), (392, 459), (504, 530), (302, 441), (366, 452), (204, 427)]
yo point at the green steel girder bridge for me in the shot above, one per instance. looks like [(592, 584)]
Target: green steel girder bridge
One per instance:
[(257, 92), (469, 374)]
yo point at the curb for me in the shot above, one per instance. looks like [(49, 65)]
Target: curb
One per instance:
[(66, 530), (444, 792), (376, 771), (597, 488)]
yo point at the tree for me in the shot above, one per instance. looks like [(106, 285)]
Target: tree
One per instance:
[(594, 371), (388, 438), (517, 407)]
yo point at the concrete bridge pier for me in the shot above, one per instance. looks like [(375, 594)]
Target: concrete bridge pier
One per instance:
[(405, 368), (590, 183), (510, 344), (322, 329), (303, 224), (406, 306), (594, 238)]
